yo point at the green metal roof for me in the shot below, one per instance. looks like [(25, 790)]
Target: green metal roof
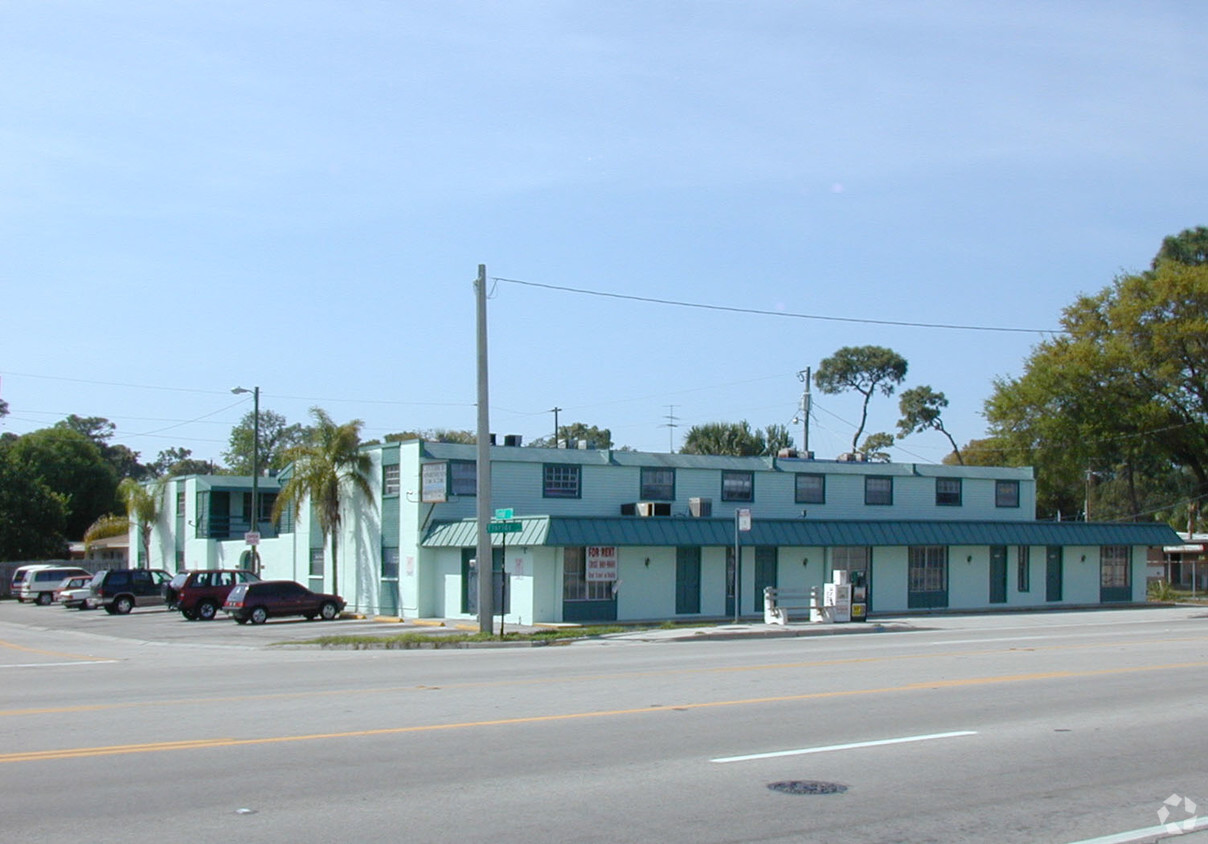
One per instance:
[(657, 531)]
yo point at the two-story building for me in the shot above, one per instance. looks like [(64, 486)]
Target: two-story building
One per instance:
[(622, 535)]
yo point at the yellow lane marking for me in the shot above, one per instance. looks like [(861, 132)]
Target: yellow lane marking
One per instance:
[(29, 650), (117, 750), (581, 678)]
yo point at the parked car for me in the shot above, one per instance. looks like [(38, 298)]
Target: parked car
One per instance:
[(73, 592), (258, 602), (200, 594), (121, 590), (39, 584)]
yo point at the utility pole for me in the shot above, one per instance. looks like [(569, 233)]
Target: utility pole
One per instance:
[(485, 561), (671, 425), (555, 412), (803, 412)]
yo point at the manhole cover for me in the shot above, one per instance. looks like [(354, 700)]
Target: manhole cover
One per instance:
[(807, 787)]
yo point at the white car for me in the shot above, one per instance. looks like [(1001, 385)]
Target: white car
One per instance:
[(74, 592)]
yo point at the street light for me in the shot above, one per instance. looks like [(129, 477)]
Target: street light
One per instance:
[(255, 521)]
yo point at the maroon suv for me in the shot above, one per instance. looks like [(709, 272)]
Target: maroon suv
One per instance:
[(201, 593), (257, 602)]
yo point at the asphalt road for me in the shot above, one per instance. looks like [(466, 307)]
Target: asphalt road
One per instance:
[(1045, 727)]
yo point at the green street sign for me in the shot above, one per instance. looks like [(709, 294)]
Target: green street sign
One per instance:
[(504, 514), (505, 527)]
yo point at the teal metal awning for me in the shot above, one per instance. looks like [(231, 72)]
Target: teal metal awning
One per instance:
[(569, 531)]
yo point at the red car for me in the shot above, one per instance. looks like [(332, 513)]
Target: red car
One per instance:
[(258, 602), (200, 594)]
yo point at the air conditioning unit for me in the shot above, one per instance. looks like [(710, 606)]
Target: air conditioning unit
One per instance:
[(512, 440), (700, 508)]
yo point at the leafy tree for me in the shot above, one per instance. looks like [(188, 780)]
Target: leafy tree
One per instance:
[(100, 430), (276, 439), (599, 437), (875, 445), (70, 464), (1122, 393), (921, 408), (143, 508), (326, 467), (736, 439), (33, 518), (865, 369), (175, 462), (775, 438), (3, 408), (1188, 247)]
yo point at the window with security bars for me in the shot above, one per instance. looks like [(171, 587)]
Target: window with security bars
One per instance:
[(810, 489), (1006, 493), (1024, 564), (928, 571), (575, 585), (1114, 566), (463, 477), (561, 480), (948, 492), (737, 486), (390, 482), (878, 490), (657, 485)]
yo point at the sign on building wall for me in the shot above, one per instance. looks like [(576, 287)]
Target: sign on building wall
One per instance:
[(434, 482), (601, 563)]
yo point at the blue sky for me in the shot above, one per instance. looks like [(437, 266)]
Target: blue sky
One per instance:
[(297, 195)]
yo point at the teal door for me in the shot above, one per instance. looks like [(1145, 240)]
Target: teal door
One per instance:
[(1053, 574), (765, 574), (687, 581), (998, 574)]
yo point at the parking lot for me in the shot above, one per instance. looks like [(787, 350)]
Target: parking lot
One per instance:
[(158, 625)]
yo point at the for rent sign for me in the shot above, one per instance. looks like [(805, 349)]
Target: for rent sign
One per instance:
[(601, 563)]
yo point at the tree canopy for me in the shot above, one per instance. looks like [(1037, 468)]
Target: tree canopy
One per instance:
[(277, 437), (1118, 403), (736, 439), (70, 464), (576, 431), (921, 408), (865, 369), (33, 517)]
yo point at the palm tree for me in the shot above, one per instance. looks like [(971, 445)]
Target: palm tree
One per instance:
[(329, 464), (142, 507)]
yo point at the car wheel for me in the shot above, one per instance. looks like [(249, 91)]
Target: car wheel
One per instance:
[(259, 615), (109, 609), (189, 615), (206, 610), (328, 611), (123, 605), (44, 598)]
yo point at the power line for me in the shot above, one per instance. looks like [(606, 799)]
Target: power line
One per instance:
[(788, 314)]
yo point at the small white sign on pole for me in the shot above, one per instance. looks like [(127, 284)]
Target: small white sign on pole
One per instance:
[(251, 538), (744, 519)]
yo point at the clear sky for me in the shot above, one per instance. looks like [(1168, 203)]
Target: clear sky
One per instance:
[(297, 196)]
